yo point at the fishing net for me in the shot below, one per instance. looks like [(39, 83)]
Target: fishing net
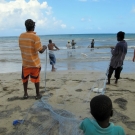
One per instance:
[(60, 113)]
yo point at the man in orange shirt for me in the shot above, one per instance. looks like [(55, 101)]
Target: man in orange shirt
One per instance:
[(30, 45)]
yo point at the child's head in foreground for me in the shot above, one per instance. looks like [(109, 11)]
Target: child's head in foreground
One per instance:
[(101, 107)]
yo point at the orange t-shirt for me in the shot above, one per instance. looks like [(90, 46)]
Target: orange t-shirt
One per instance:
[(30, 45)]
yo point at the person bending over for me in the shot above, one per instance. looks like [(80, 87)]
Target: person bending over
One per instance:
[(118, 56), (101, 110), (30, 45), (52, 58)]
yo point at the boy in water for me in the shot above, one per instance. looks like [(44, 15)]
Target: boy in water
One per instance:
[(51, 47), (101, 110)]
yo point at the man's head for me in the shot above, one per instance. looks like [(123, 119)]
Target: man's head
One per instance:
[(30, 25), (50, 41), (101, 107), (120, 36)]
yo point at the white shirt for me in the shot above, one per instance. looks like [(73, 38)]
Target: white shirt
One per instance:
[(68, 45)]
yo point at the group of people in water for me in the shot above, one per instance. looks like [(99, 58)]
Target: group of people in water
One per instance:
[(72, 44), (101, 105)]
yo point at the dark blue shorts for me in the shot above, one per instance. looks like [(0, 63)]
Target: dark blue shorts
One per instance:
[(52, 59)]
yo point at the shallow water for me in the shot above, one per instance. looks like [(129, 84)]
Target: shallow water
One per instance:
[(81, 58)]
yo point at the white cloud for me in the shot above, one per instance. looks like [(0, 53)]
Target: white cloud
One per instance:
[(63, 26), (82, 19), (14, 13), (73, 27)]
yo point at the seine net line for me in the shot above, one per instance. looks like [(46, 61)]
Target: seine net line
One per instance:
[(59, 111)]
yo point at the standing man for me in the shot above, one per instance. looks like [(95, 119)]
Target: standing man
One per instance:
[(118, 56), (92, 43), (30, 45), (73, 44), (51, 47)]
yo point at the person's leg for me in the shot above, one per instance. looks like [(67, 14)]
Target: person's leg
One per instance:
[(38, 96), (53, 68), (110, 72), (35, 78), (117, 74), (52, 61), (37, 88), (25, 86), (25, 77)]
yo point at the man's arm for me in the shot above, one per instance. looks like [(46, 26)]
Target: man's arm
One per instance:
[(115, 50), (134, 56), (44, 48), (56, 47)]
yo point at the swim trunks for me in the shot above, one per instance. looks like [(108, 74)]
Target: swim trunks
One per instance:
[(52, 58), (34, 74)]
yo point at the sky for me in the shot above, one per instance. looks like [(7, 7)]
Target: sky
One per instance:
[(67, 16)]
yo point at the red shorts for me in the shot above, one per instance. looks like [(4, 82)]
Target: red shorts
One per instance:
[(34, 74)]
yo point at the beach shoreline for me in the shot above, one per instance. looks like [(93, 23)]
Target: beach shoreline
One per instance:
[(70, 89)]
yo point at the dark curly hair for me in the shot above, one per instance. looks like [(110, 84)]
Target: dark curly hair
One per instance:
[(101, 107), (121, 34)]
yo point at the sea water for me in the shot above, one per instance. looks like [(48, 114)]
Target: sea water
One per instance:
[(81, 58)]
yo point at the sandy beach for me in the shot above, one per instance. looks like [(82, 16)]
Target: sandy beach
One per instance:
[(70, 89)]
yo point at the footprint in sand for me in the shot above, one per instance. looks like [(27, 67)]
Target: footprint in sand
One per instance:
[(3, 130), (11, 91), (121, 102), (79, 90), (7, 113), (5, 88), (130, 124), (119, 117)]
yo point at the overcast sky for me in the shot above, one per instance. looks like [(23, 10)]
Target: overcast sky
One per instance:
[(67, 16)]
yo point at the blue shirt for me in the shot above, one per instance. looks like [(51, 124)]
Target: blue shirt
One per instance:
[(91, 127)]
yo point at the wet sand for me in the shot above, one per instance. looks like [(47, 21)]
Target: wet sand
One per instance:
[(70, 89)]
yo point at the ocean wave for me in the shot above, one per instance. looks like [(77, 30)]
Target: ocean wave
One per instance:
[(10, 60), (131, 47), (102, 52), (4, 60), (129, 39), (9, 49)]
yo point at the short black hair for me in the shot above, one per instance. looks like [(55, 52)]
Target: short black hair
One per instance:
[(30, 28), (30, 24), (50, 41), (101, 107), (121, 34)]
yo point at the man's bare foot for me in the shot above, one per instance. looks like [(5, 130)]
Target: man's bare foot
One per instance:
[(54, 69), (25, 96), (108, 83), (116, 82)]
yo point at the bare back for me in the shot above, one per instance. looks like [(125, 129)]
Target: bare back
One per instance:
[(51, 46)]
